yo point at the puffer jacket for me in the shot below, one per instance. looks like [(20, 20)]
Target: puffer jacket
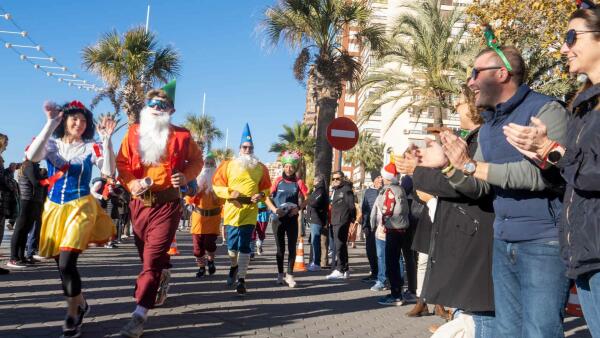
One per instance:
[(318, 203), (579, 233), (29, 183)]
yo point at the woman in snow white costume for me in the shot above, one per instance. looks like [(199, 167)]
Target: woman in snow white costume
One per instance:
[(72, 218)]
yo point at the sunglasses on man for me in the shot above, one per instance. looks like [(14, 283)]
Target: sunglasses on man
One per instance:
[(571, 36), (248, 147), (336, 178), (475, 71), (158, 104)]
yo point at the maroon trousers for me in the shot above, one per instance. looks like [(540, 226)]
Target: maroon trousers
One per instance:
[(154, 229)]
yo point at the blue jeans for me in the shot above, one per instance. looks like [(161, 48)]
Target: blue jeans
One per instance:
[(530, 289), (484, 324), (239, 237), (588, 290), (380, 246), (315, 242)]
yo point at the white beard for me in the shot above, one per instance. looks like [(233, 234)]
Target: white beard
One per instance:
[(204, 180), (154, 134), (247, 161)]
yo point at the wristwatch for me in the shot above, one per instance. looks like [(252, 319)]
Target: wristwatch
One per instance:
[(554, 156), (469, 168)]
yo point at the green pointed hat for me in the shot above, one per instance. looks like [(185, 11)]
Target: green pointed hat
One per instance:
[(169, 88)]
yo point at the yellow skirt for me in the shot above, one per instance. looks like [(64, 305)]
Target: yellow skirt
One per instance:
[(74, 225)]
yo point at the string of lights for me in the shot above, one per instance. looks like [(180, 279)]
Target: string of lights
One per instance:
[(30, 51)]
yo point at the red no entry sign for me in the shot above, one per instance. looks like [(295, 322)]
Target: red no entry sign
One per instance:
[(342, 133)]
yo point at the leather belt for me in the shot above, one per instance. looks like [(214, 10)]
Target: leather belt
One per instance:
[(153, 198), (242, 200), (207, 212)]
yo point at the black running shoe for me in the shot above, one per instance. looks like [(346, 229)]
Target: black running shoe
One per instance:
[(241, 287), (211, 268), (201, 272), (71, 329), (232, 275)]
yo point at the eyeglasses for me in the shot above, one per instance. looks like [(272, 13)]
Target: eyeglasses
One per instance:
[(475, 71), (160, 105), (571, 36), (336, 178)]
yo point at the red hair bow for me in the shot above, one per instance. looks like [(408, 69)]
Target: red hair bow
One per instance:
[(76, 104)]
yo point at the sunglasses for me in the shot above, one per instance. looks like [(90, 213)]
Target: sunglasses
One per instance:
[(158, 104), (248, 147), (571, 36), (336, 178), (475, 71)]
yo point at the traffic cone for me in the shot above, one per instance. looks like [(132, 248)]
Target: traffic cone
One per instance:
[(299, 262), (173, 251), (573, 306)]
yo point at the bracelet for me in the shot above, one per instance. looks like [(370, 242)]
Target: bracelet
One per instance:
[(447, 169)]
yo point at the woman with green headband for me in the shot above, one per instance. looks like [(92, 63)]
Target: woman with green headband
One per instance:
[(287, 198)]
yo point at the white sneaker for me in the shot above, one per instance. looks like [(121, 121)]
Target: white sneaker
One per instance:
[(336, 275), (346, 274), (289, 279), (38, 257), (314, 267), (280, 279)]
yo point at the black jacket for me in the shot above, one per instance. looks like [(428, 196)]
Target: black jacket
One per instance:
[(459, 269), (367, 204), (343, 210), (579, 234), (318, 203), (29, 183)]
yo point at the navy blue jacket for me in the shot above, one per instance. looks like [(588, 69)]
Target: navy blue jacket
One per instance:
[(520, 215), (580, 166)]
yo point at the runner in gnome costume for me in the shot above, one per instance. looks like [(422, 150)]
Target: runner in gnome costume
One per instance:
[(72, 218), (242, 182), (156, 159), (206, 218)]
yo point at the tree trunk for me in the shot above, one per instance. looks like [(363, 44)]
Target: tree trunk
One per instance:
[(362, 176), (437, 117), (323, 150)]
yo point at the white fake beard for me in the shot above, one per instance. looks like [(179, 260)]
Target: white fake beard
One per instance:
[(247, 161), (204, 180), (154, 133)]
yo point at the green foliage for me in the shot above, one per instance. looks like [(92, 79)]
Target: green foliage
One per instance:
[(366, 154), (203, 129), (223, 154)]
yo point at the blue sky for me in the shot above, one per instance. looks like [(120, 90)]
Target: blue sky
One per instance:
[(222, 55)]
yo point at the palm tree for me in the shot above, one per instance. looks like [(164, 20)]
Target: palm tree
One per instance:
[(203, 130), (297, 138), (317, 28), (223, 154), (424, 66), (367, 154), (130, 65)]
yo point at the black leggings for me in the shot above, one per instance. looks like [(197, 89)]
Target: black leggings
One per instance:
[(287, 225), (67, 267), (31, 211)]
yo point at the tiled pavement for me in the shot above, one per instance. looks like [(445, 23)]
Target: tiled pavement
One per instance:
[(31, 302)]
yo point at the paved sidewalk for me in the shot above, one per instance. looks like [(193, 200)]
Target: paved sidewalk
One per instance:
[(31, 302)]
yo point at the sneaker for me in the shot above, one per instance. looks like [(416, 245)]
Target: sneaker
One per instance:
[(240, 288), (379, 286), (38, 257), (134, 328), (289, 279), (70, 328), (335, 275), (163, 288), (211, 268), (390, 300), (201, 272), (16, 264), (252, 255), (409, 297), (232, 275), (314, 267), (280, 279), (346, 274), (29, 261), (259, 250), (369, 279)]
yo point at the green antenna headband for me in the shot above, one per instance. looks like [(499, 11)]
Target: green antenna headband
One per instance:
[(492, 43)]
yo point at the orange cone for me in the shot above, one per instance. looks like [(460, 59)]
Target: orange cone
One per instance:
[(173, 251), (573, 306), (299, 262)]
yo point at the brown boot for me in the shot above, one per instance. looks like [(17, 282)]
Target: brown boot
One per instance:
[(420, 309), (441, 311)]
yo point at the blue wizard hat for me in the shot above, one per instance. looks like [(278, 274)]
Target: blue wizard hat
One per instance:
[(246, 135)]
